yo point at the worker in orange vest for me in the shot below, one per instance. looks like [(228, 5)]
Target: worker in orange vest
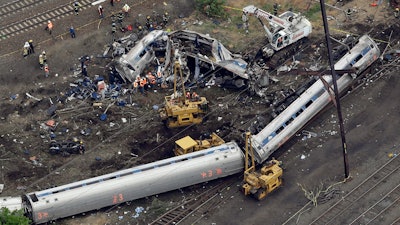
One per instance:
[(46, 70), (142, 84), (195, 96), (188, 95), (49, 26)]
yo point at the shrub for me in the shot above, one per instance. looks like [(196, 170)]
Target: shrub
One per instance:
[(13, 218), (212, 8)]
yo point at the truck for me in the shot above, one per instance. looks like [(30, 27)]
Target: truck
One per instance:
[(283, 30), (188, 144)]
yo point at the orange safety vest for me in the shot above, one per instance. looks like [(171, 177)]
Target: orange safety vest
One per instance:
[(50, 25), (142, 82), (135, 84), (46, 69)]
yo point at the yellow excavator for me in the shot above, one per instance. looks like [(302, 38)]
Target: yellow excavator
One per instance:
[(181, 110), (187, 144), (261, 183)]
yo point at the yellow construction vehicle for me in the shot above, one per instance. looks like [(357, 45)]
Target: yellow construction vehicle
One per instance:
[(187, 144), (182, 110), (260, 184)]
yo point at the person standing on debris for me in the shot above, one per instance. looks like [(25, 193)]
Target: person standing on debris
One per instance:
[(126, 8), (113, 28), (396, 12), (152, 80), (46, 70), (26, 49), (41, 61), (49, 27), (142, 84), (72, 32), (165, 18), (195, 96), (84, 70), (101, 12), (135, 86), (31, 47), (76, 7), (149, 22), (188, 95), (276, 6), (245, 20), (112, 2)]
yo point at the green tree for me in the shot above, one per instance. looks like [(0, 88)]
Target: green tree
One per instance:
[(15, 217), (212, 8)]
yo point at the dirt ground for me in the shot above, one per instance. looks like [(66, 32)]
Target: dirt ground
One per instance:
[(369, 114)]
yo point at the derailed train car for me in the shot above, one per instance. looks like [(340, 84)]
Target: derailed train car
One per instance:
[(134, 183), (313, 100)]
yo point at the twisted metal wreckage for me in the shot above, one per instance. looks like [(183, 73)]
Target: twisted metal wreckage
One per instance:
[(205, 60)]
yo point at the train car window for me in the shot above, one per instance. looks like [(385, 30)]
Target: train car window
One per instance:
[(299, 112), (309, 103), (280, 129), (356, 60), (33, 197), (289, 121)]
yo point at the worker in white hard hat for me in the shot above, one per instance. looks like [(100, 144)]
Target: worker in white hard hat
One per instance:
[(49, 26), (126, 8)]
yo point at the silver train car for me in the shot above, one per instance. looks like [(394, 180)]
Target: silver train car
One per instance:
[(134, 183), (313, 100)]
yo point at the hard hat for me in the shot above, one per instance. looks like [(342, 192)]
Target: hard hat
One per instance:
[(140, 27), (48, 21), (166, 13), (30, 41), (44, 53), (148, 17)]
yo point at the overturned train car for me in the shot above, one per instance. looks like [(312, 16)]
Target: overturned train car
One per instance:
[(134, 183), (313, 100)]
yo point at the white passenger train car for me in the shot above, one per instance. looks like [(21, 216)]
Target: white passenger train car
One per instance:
[(313, 100), (134, 183)]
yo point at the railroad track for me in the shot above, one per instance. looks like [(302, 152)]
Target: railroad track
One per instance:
[(40, 19), (16, 6), (389, 172), (200, 204)]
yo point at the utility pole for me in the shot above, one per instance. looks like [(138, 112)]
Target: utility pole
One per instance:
[(335, 89)]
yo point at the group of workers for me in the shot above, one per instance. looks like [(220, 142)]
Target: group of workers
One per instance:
[(142, 83)]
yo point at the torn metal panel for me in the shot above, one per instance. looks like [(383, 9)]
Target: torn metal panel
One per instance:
[(133, 63), (210, 50)]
